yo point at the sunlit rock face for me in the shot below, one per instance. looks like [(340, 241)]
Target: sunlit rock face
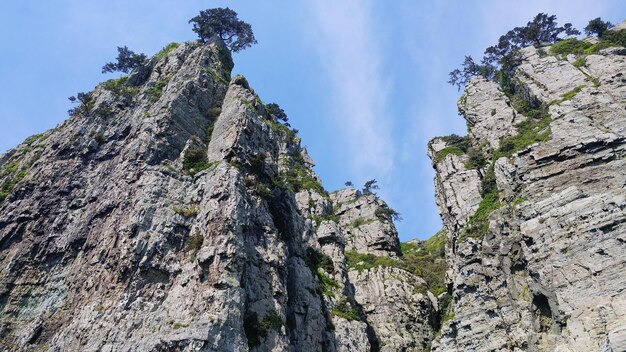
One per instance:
[(172, 213), (546, 272)]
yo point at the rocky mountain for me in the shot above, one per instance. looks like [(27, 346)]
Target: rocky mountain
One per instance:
[(172, 212), (533, 202)]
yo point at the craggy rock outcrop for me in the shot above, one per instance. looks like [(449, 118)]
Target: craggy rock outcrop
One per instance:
[(368, 228), (172, 213), (547, 272), (483, 98)]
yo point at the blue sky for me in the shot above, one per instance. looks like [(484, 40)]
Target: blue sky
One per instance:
[(364, 81)]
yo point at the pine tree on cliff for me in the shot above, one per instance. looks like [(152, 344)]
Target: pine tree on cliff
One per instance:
[(127, 60), (501, 59), (224, 24), (597, 27)]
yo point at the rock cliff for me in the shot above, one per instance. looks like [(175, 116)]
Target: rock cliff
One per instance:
[(533, 202), (172, 212)]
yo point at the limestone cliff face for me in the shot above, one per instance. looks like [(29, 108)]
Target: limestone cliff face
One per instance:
[(171, 212), (538, 263)]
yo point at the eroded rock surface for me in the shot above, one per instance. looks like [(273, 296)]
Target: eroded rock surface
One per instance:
[(547, 272), (171, 213)]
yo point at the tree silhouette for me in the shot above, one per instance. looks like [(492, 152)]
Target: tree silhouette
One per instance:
[(127, 60), (500, 60), (224, 24), (369, 186), (276, 112), (597, 27)]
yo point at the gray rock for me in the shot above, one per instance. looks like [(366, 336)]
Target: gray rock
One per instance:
[(548, 274), (130, 228)]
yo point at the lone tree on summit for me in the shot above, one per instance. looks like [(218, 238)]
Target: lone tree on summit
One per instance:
[(223, 23)]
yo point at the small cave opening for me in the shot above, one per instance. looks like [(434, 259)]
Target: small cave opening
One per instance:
[(543, 311)]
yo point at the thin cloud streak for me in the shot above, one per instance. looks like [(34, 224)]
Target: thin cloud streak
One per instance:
[(349, 52)]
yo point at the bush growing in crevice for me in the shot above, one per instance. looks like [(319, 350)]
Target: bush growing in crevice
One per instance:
[(456, 145), (364, 261), (187, 211), (241, 81), (475, 158), (316, 260), (343, 309), (320, 264), (424, 259), (572, 93), (358, 222), (85, 103), (478, 224), (529, 131), (163, 52), (580, 62), (386, 214), (194, 242), (121, 89), (156, 91), (296, 176), (195, 160), (256, 329)]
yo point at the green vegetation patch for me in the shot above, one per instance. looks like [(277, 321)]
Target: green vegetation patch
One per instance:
[(364, 261), (580, 62), (358, 222), (456, 145), (572, 93), (530, 131), (241, 81), (156, 91), (187, 211), (12, 173), (327, 284), (179, 325), (447, 151), (609, 39), (424, 259), (282, 130), (320, 264), (194, 242), (297, 176), (478, 224), (581, 47), (120, 88), (475, 158), (196, 160), (35, 138), (169, 47), (344, 310), (570, 46), (256, 329)]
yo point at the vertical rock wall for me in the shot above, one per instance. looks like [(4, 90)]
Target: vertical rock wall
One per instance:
[(171, 212), (547, 272)]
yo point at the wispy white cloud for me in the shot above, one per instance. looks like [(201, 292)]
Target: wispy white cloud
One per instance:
[(347, 43)]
